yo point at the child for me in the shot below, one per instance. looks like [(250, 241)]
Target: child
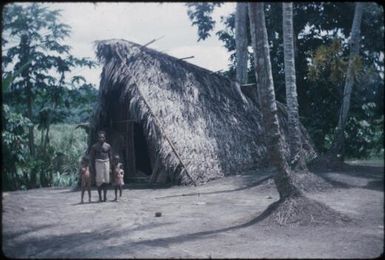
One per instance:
[(118, 174), (85, 178)]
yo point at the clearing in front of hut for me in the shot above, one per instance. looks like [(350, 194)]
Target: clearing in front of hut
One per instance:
[(223, 218)]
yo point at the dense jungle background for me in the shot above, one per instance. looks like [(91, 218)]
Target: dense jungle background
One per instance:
[(43, 106)]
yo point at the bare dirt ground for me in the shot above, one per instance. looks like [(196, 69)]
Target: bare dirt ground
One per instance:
[(217, 220)]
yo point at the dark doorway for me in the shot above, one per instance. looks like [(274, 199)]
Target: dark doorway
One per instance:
[(142, 159)]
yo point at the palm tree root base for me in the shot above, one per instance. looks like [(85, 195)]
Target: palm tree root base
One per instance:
[(302, 211)]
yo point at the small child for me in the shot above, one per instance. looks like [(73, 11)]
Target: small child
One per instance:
[(85, 178), (118, 175)]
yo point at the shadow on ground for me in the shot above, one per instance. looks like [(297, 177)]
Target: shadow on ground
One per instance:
[(254, 184), (374, 173), (67, 245), (73, 244)]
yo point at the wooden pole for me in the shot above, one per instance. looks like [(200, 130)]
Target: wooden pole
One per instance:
[(185, 58), (152, 41)]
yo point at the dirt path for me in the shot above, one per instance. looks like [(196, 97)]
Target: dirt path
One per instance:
[(219, 222)]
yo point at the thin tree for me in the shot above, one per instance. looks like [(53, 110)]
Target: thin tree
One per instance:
[(36, 36), (295, 144), (293, 207), (241, 42), (336, 151)]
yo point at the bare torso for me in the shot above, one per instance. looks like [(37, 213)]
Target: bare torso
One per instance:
[(101, 151)]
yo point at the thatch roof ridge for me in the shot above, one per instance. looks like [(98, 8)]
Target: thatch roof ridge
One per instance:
[(130, 44)]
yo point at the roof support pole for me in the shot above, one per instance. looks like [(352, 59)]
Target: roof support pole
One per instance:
[(165, 136)]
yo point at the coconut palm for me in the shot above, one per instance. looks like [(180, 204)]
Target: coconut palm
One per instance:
[(296, 159), (241, 42), (267, 101), (293, 207), (336, 151)]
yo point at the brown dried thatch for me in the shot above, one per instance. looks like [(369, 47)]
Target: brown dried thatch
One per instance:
[(197, 125)]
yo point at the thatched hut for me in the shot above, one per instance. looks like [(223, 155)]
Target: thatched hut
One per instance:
[(173, 121)]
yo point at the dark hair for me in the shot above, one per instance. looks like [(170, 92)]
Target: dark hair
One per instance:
[(102, 132), (116, 156), (85, 159)]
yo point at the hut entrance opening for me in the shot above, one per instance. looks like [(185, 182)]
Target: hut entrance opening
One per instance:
[(142, 158), (127, 139)]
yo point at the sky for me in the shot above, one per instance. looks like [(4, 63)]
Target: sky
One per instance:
[(141, 23)]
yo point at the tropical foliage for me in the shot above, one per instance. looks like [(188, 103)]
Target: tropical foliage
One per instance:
[(321, 53), (38, 93)]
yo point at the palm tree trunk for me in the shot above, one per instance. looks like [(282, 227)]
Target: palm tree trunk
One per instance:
[(268, 104), (25, 58), (292, 207), (253, 42), (31, 139), (337, 148), (296, 157), (241, 42)]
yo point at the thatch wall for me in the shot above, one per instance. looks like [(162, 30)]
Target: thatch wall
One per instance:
[(214, 130)]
